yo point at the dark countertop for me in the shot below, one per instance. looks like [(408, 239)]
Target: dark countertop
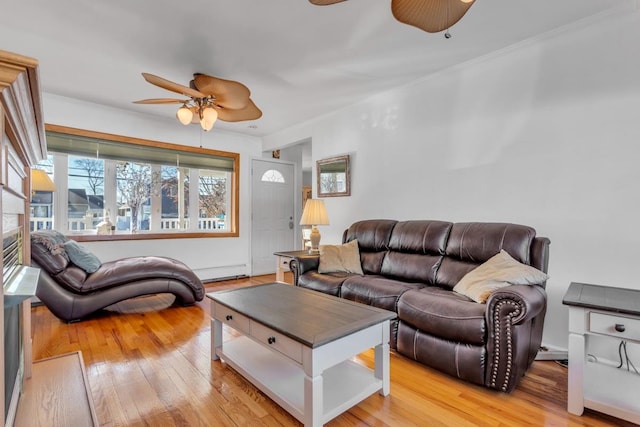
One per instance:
[(309, 317), (619, 300)]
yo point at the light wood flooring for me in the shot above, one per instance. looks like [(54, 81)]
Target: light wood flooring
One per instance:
[(149, 364)]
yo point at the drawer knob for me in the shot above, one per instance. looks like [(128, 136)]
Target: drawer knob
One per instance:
[(229, 317), (620, 327), (271, 340)]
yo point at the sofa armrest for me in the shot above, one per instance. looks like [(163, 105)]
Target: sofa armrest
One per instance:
[(514, 316), (300, 264)]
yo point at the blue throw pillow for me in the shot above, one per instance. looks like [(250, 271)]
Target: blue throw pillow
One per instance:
[(81, 257)]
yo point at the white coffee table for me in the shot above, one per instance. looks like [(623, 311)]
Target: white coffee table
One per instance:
[(296, 347)]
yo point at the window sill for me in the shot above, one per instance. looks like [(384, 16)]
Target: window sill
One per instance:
[(148, 236)]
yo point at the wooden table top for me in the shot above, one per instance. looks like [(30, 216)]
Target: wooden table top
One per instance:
[(606, 298), (309, 317), (294, 254)]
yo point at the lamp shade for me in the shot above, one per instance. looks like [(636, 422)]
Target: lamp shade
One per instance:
[(185, 115), (314, 213), (209, 117), (40, 181)]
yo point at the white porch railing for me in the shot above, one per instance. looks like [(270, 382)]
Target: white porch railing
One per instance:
[(39, 223), (203, 224), (80, 224)]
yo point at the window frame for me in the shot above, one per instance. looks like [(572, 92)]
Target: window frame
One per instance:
[(234, 205)]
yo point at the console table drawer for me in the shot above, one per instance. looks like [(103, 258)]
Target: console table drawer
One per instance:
[(283, 344), (237, 321), (615, 325)]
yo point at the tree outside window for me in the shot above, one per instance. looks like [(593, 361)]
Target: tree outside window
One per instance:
[(134, 182), (213, 197), (85, 201)]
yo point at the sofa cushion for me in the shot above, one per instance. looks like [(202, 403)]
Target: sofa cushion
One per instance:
[(376, 291), (499, 271), (82, 257), (328, 283), (476, 242), (373, 241), (72, 278), (411, 267), (445, 314), (471, 244), (459, 359), (340, 258), (420, 237), (372, 235)]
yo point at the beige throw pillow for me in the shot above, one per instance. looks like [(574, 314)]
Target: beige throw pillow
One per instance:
[(340, 258), (497, 272)]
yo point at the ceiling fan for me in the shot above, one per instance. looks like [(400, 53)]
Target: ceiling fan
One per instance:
[(431, 16), (210, 98)]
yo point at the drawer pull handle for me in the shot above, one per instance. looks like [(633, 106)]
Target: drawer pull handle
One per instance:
[(620, 327), (229, 317), (271, 340)]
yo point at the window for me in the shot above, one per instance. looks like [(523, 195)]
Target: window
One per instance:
[(141, 187), (85, 192), (42, 201), (273, 175)]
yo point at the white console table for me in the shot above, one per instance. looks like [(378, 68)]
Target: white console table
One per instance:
[(608, 312)]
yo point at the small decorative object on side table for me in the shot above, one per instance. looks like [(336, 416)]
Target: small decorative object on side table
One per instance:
[(606, 312)]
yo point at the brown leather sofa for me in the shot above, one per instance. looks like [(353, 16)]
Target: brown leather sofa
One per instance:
[(72, 294), (411, 268)]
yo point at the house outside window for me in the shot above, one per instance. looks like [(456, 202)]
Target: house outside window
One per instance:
[(142, 188)]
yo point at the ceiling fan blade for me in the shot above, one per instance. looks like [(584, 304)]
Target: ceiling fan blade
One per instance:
[(325, 2), (161, 101), (431, 16), (229, 94), (173, 87), (250, 112)]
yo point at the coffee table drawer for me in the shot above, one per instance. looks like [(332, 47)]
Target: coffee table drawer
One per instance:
[(237, 321), (281, 343)]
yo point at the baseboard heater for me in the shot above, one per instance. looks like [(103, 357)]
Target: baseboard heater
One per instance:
[(222, 279), (222, 272)]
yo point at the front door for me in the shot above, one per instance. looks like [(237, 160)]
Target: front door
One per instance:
[(273, 222)]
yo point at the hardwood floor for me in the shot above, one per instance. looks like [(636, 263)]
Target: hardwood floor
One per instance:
[(149, 365)]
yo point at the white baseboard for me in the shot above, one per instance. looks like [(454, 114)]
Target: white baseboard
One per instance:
[(551, 353)]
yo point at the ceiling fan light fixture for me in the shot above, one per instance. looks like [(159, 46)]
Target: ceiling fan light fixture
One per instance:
[(211, 99), (467, 1), (184, 115), (209, 115)]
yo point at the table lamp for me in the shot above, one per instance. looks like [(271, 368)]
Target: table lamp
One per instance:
[(314, 214), (40, 181)]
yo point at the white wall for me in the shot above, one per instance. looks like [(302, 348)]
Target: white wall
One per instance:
[(546, 134), (209, 257)]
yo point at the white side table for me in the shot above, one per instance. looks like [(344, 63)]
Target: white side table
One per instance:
[(608, 312), (282, 262)]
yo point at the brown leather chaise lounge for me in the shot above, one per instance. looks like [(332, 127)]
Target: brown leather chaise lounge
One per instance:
[(72, 293)]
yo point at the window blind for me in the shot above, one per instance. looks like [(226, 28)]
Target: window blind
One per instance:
[(103, 149)]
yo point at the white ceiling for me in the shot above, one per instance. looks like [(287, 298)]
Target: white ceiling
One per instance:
[(300, 61)]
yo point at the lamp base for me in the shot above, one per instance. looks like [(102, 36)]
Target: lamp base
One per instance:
[(315, 240)]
